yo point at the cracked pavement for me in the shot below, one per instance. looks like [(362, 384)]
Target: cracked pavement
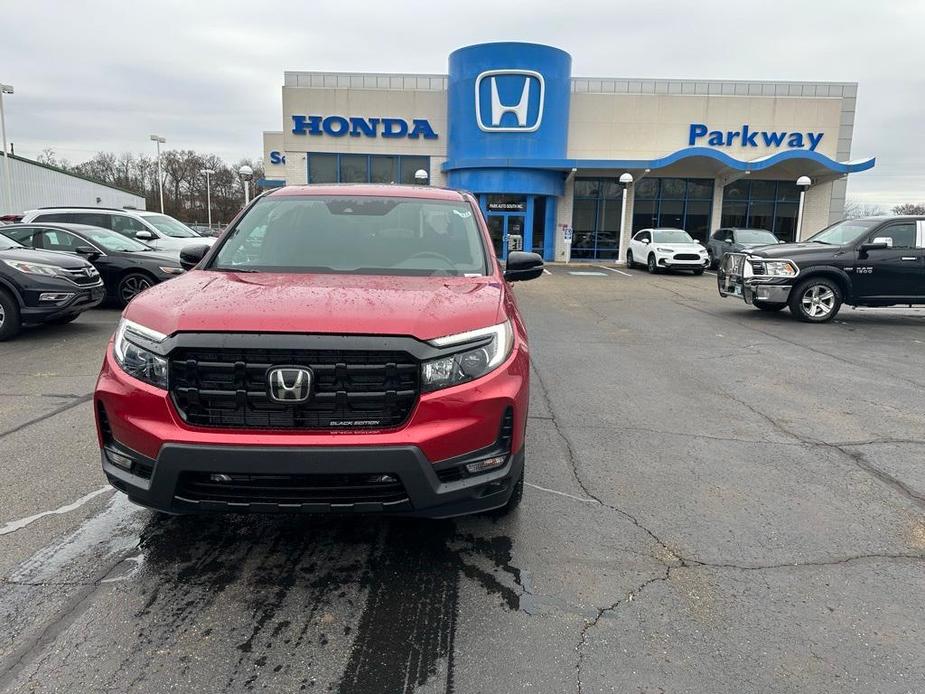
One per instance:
[(718, 500)]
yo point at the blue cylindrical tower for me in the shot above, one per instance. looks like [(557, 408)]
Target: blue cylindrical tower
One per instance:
[(507, 117)]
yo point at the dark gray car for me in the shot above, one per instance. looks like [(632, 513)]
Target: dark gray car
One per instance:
[(734, 240)]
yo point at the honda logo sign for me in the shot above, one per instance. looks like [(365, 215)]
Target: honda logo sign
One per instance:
[(521, 107), (289, 384)]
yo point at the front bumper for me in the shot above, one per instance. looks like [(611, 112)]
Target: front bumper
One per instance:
[(36, 311), (732, 279), (158, 484), (672, 263)]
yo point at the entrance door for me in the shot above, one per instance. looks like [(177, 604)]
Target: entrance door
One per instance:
[(501, 227), (496, 224)]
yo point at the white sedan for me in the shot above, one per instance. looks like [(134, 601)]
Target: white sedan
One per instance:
[(667, 249)]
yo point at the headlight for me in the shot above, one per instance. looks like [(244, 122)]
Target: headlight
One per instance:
[(172, 270), (135, 360), (776, 268), (470, 364), (35, 268), (665, 250)]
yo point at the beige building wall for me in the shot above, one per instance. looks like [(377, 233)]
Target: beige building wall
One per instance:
[(273, 142), (641, 126)]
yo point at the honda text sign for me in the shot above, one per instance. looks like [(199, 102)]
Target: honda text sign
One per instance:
[(509, 100)]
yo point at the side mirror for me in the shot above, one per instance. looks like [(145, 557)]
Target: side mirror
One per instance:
[(729, 241), (88, 251), (144, 235), (191, 256), (781, 241), (646, 241), (521, 266), (878, 244)]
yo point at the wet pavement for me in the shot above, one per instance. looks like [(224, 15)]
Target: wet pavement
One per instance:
[(718, 500)]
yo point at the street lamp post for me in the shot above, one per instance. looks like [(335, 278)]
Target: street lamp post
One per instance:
[(246, 173), (208, 172), (158, 140), (803, 182), (625, 180), (8, 182)]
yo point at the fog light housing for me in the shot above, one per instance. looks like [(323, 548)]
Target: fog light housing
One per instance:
[(486, 464), (55, 296), (118, 459)]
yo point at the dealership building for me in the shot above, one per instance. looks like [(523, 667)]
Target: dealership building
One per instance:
[(544, 152)]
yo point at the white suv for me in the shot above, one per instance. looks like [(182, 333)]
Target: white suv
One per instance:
[(158, 230)]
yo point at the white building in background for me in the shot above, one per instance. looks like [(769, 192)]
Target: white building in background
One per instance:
[(39, 185), (544, 151)]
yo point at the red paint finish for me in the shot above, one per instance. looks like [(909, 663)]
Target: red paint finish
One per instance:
[(444, 424)]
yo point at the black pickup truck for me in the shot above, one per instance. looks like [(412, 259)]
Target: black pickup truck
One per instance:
[(876, 261)]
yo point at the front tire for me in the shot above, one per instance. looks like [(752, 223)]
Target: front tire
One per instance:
[(630, 264), (768, 306), (816, 300), (513, 502), (10, 323), (132, 285), (651, 265)]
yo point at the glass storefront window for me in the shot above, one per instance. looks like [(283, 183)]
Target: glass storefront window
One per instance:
[(409, 165), (353, 168), (672, 188), (644, 214), (682, 203), (758, 204), (381, 169), (322, 168), (647, 189), (364, 168)]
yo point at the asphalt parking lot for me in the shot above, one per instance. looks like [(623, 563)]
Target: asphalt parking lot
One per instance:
[(719, 500)]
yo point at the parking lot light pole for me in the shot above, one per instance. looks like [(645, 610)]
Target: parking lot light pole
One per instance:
[(208, 172), (8, 182), (246, 173), (625, 180), (803, 182), (158, 140)]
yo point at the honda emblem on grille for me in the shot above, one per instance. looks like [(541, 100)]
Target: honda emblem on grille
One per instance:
[(289, 384)]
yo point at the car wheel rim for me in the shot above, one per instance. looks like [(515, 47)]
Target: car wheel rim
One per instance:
[(132, 286), (651, 263), (2, 316), (818, 301)]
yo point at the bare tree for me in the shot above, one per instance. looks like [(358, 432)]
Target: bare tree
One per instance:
[(915, 208), (855, 209)]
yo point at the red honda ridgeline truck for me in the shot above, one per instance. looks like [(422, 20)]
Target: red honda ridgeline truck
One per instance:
[(341, 348)]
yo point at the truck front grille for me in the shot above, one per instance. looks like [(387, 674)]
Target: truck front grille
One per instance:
[(228, 388)]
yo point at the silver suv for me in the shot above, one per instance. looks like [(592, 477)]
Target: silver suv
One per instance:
[(158, 230)]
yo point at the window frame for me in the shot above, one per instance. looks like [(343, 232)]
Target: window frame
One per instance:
[(397, 161)]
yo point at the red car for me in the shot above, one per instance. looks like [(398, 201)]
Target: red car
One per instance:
[(341, 348)]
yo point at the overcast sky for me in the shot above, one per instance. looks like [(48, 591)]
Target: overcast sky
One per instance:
[(93, 76)]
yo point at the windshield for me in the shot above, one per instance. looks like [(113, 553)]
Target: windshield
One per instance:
[(111, 241), (671, 236), (845, 232), (361, 235), (170, 226), (7, 243), (755, 236)]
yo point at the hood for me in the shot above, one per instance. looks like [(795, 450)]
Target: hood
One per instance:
[(797, 250), (423, 307), (65, 260), (679, 246)]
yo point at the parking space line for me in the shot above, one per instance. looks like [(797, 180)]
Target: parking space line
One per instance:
[(547, 272), (13, 526), (584, 273), (613, 269)]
